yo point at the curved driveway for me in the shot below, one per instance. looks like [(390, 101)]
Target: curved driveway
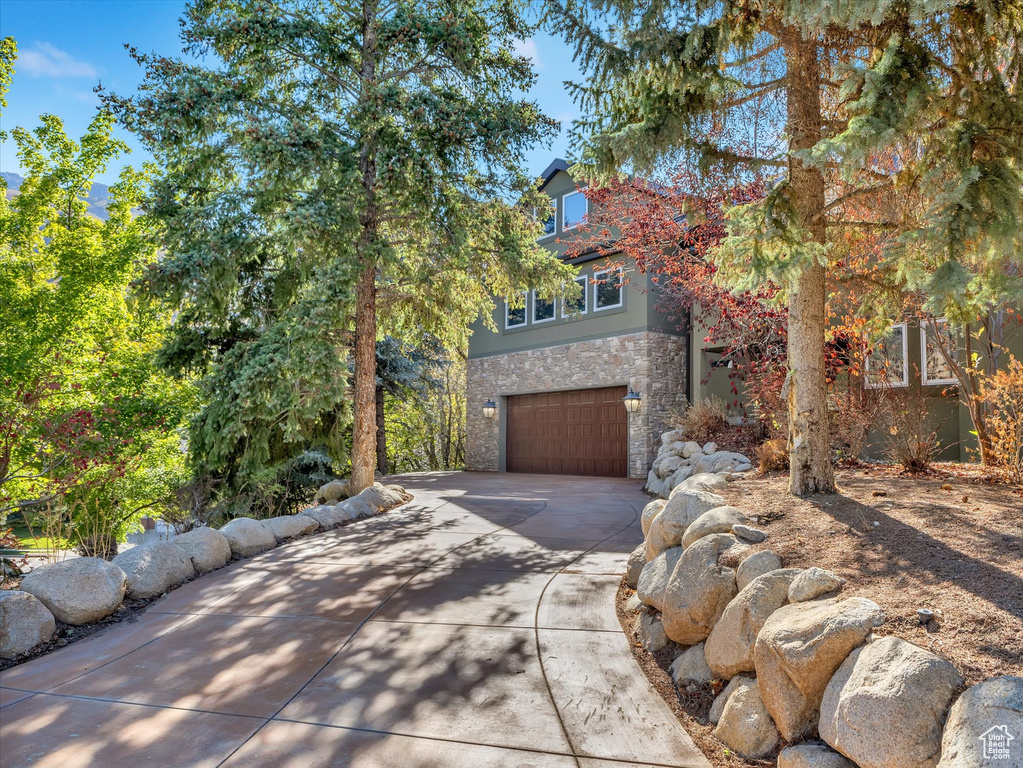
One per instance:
[(473, 627)]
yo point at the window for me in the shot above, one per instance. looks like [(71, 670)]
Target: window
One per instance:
[(550, 222), (570, 307), (543, 309), (887, 361), (607, 293), (515, 317), (936, 369), (574, 208)]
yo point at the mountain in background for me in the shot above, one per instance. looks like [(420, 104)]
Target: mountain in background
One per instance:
[(97, 195)]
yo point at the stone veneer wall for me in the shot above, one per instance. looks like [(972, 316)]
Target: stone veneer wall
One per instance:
[(652, 363)]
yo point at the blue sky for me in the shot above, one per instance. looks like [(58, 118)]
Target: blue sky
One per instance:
[(67, 47)]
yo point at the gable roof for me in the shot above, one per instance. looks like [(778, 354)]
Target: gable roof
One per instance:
[(558, 164)]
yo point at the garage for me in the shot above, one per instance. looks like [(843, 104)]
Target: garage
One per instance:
[(579, 432)]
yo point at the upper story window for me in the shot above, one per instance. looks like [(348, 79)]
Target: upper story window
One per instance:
[(514, 317), (936, 369), (577, 306), (574, 207), (543, 309), (607, 292), (887, 363), (550, 221)]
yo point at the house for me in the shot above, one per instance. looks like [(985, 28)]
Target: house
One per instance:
[(558, 371)]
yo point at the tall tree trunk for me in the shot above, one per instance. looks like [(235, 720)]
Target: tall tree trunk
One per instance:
[(810, 468), (364, 430), (382, 466)]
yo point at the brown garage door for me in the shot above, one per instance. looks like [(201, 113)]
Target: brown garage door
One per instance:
[(582, 432)]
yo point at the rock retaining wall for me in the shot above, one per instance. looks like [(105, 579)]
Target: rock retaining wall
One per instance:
[(679, 459), (84, 590), (800, 659)]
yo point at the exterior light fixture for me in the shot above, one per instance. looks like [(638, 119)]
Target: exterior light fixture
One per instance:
[(489, 409), (632, 401)]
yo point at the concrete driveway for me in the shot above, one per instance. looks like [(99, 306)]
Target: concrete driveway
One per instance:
[(472, 627)]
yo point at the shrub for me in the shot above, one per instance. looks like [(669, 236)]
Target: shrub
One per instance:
[(912, 438), (773, 455), (1003, 393), (703, 420)]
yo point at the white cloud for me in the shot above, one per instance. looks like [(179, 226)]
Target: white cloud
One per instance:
[(527, 48), (43, 59)]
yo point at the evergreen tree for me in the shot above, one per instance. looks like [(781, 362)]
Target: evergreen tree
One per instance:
[(858, 108), (328, 159)]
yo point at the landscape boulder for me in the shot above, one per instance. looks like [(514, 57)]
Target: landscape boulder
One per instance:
[(698, 590), (650, 511), (248, 537), (290, 526), (991, 709), (745, 725), (666, 530), (633, 604), (748, 534), (812, 583), (690, 667), (755, 565), (637, 561), (669, 465), (400, 491), (716, 520), (799, 648), (676, 477), (885, 706), (152, 569), (207, 548), (358, 506), (812, 755), (653, 579), (650, 631), (654, 484), (722, 698), (700, 483), (327, 516), (77, 591), (691, 449), (730, 644), (381, 497), (332, 491), (24, 623)]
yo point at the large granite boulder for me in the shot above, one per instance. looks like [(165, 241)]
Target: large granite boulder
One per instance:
[(690, 667), (650, 511), (708, 483), (207, 548), (358, 507), (637, 561), (731, 642), (290, 526), (380, 497), (813, 583), (331, 492), (985, 716), (78, 591), (327, 516), (812, 755), (755, 565), (653, 579), (722, 698), (650, 631), (152, 569), (745, 725), (655, 485), (717, 520), (698, 590), (248, 537), (24, 623), (799, 648), (885, 706), (666, 530)]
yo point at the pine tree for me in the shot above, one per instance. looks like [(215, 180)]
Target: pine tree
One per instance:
[(855, 109), (324, 160)]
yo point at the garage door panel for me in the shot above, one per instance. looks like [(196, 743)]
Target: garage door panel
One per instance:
[(581, 432)]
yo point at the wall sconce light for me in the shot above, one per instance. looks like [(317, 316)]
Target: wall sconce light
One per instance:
[(489, 409), (632, 401)]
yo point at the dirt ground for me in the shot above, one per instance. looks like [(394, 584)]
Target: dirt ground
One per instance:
[(951, 541)]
